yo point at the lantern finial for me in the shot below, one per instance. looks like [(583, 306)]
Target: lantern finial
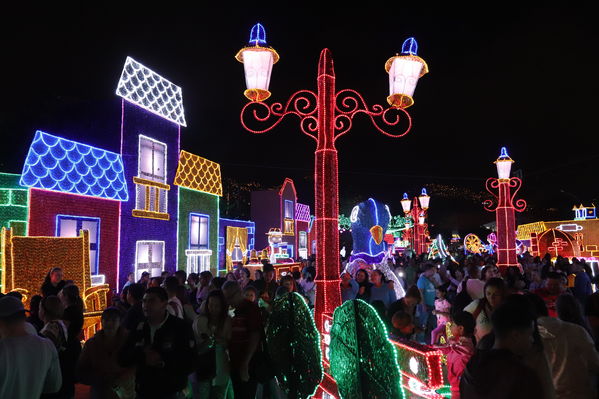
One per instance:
[(258, 35), (410, 46)]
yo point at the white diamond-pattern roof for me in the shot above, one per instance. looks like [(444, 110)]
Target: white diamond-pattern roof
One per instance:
[(145, 88)]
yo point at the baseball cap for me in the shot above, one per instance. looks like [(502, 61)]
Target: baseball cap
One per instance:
[(9, 305)]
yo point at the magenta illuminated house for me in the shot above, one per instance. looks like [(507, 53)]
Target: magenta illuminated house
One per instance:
[(73, 186), (275, 209), (302, 225)]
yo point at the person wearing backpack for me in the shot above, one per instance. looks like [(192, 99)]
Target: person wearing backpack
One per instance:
[(482, 309)]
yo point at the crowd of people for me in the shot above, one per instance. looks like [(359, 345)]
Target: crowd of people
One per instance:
[(531, 332), (174, 336)]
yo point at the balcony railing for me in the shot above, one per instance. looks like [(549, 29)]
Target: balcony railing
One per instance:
[(151, 199)]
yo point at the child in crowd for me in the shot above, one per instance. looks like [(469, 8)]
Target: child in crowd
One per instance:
[(442, 311), (403, 325), (460, 349)]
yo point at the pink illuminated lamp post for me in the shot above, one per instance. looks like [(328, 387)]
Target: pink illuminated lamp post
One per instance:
[(504, 190), (325, 116)]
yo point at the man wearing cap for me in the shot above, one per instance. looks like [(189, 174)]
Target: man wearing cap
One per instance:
[(28, 363)]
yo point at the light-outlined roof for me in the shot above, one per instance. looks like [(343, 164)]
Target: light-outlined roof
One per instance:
[(302, 212), (200, 174), (145, 88), (57, 164)]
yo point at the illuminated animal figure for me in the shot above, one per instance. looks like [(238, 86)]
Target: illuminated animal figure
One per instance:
[(369, 221)]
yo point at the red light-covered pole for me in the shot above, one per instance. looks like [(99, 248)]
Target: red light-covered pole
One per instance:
[(504, 190)]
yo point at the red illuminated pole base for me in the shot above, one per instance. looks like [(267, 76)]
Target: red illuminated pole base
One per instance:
[(505, 219)]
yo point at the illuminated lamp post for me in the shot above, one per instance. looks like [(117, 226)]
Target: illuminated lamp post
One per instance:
[(504, 190), (325, 116), (418, 213)]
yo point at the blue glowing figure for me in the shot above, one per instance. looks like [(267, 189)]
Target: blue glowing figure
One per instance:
[(409, 46), (369, 222), (258, 35)]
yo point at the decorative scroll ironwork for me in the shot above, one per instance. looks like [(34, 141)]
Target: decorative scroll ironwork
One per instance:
[(520, 204), (349, 103), (303, 104), (491, 204), (492, 185)]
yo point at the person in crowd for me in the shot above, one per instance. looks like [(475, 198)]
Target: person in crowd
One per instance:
[(363, 285), (244, 277), (297, 277), (164, 275), (134, 314), (181, 276), (474, 286), (53, 282), (155, 282), (162, 349), (55, 329), (591, 311), (514, 280), (258, 275), (427, 290), (203, 288), (482, 309), (34, 316), (460, 349), (455, 276), (288, 283), (381, 290), (570, 352), (130, 280), (307, 284), (120, 301), (555, 285), (98, 364), (189, 313), (489, 272), (499, 372), (212, 332), (193, 281), (230, 276), (349, 287), (216, 283), (536, 282), (174, 307), (402, 325), (250, 293), (568, 309), (73, 312), (442, 311), (245, 338), (582, 283), (267, 287), (144, 279), (29, 365)]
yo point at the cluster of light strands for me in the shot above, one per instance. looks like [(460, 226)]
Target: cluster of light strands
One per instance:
[(145, 88), (404, 71), (200, 174), (302, 212), (57, 164), (257, 62), (421, 370), (294, 346), (363, 360), (525, 230)]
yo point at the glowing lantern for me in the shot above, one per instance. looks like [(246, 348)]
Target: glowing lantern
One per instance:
[(257, 62), (405, 203), (404, 71), (424, 199), (504, 165)]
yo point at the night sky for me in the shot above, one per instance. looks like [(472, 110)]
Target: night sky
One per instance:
[(514, 77)]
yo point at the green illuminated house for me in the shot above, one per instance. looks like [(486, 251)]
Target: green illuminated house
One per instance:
[(200, 187)]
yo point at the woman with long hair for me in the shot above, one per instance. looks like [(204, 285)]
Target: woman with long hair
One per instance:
[(482, 309), (212, 331), (73, 309), (53, 282), (381, 290), (363, 284)]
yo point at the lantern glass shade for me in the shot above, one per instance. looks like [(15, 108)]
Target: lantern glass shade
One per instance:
[(421, 219), (405, 204), (403, 77), (257, 64), (424, 201), (504, 168)]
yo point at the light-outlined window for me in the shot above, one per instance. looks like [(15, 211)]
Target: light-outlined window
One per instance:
[(152, 159), (69, 226), (149, 257), (199, 231), (289, 213)]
